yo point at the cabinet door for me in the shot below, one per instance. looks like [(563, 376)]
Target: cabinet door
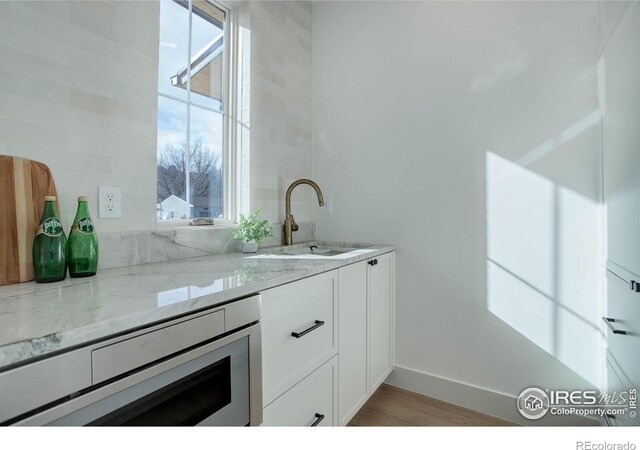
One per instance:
[(623, 306), (308, 307), (311, 402), (621, 142), (352, 288), (616, 384), (380, 293)]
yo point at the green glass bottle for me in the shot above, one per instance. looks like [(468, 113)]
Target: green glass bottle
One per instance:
[(50, 246), (82, 248)]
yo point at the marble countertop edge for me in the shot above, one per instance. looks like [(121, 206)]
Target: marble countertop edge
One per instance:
[(37, 320)]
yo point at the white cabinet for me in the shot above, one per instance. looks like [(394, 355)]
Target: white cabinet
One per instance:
[(307, 308), (623, 315), (366, 331), (311, 402), (618, 383), (621, 142), (353, 340), (380, 282), (621, 179), (343, 351)]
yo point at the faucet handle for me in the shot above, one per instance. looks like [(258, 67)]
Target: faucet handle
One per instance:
[(294, 225)]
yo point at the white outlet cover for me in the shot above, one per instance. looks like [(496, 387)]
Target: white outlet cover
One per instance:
[(109, 202)]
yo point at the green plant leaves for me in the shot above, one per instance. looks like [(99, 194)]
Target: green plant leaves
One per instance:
[(250, 228)]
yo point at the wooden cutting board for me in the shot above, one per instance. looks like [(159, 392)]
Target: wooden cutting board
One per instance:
[(23, 186)]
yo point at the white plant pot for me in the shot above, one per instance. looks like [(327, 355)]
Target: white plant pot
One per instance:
[(249, 247)]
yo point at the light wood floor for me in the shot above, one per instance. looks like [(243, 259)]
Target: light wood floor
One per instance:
[(392, 406)]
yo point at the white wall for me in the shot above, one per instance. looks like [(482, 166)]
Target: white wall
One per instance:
[(466, 133)]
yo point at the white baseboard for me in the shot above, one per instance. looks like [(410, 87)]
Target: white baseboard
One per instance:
[(486, 401)]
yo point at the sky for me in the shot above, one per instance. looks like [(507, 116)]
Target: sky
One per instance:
[(173, 53)]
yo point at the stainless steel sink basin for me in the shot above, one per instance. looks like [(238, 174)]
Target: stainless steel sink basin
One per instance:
[(319, 251), (311, 252)]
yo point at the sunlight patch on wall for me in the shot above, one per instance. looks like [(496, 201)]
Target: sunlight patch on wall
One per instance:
[(522, 306), (548, 146), (543, 273), (520, 231)]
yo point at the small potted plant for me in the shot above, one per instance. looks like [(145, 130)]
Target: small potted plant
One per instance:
[(252, 231)]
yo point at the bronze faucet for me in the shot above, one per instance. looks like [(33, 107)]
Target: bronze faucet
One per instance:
[(290, 224)]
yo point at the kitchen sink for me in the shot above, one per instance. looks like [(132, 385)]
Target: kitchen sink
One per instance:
[(311, 252), (318, 251)]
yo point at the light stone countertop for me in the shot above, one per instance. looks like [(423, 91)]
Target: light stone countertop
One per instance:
[(39, 319)]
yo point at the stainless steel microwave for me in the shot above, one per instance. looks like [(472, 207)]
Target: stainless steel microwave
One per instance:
[(142, 380)]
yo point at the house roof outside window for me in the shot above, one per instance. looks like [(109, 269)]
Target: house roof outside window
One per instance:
[(206, 62)]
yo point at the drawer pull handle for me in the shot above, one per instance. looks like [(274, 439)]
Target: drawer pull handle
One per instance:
[(609, 321), (319, 418), (635, 286), (373, 262), (608, 418), (318, 324)]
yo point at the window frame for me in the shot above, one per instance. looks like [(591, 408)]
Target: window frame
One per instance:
[(230, 81)]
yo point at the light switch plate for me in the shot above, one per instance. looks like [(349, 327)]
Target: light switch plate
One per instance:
[(109, 202)]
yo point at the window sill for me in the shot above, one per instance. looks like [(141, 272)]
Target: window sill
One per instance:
[(184, 225)]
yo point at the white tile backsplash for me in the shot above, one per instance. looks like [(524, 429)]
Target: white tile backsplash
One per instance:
[(79, 93), (280, 99)]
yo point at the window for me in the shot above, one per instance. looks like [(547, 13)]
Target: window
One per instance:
[(193, 153)]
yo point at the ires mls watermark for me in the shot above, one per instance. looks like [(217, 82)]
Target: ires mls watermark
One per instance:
[(534, 403)]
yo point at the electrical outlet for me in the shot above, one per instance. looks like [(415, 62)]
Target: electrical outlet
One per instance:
[(109, 202)]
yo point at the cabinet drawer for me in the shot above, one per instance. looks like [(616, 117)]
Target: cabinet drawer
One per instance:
[(121, 357), (311, 400), (615, 384), (309, 304), (623, 305), (25, 388)]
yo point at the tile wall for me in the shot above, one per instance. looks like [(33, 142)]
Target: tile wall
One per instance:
[(79, 93)]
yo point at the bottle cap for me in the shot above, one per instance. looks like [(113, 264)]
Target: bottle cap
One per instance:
[(49, 198), (83, 198)]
